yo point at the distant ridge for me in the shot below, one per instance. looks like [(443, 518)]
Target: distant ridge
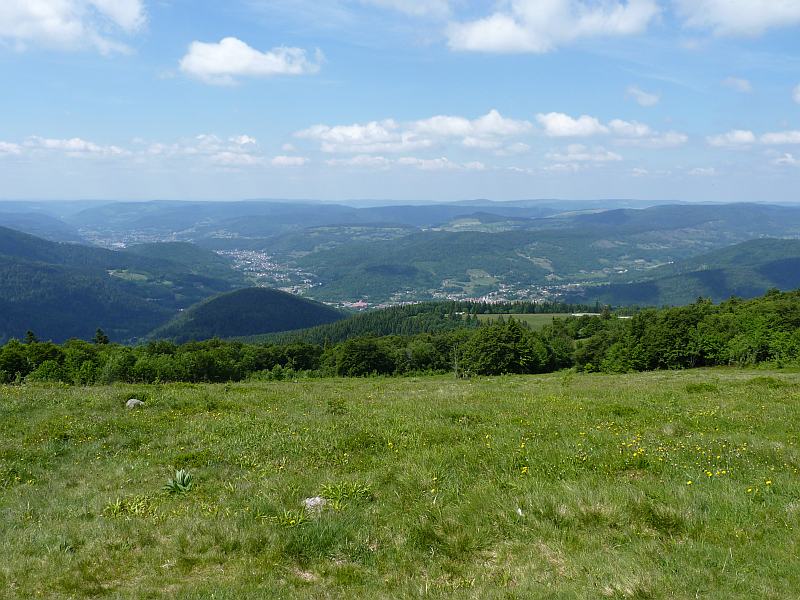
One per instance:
[(745, 270)]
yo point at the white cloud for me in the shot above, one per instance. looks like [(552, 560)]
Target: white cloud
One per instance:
[(580, 153), (485, 132), (738, 84), (9, 148), (222, 63), (542, 25), (243, 140), (796, 94), (488, 132), (561, 125), (632, 129), (732, 139), (289, 161), (369, 138), (416, 8), (639, 172), (641, 97), (670, 139), (236, 151), (781, 138), (70, 24), (787, 160), (703, 172), (491, 124), (563, 168), (362, 160), (738, 17), (428, 164), (423, 164), (75, 147)]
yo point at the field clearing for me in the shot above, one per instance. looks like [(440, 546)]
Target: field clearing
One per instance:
[(652, 485), (535, 321)]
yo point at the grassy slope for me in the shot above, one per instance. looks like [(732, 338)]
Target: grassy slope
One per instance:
[(598, 467), (535, 321)]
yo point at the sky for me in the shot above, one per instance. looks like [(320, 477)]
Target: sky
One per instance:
[(424, 100)]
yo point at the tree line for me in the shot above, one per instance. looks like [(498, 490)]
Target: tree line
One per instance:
[(735, 332)]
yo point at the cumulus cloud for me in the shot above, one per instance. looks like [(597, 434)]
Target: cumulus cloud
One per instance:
[(368, 138), (428, 164), (561, 125), (288, 161), (540, 26), (490, 131), (787, 160), (424, 164), (233, 152), (627, 133), (632, 129), (484, 132), (732, 139), (9, 148), (643, 98), (70, 24), (362, 160), (738, 84), (224, 62), (781, 138), (738, 17), (580, 153), (75, 147)]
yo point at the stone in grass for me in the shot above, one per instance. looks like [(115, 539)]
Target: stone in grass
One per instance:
[(314, 505), (134, 403)]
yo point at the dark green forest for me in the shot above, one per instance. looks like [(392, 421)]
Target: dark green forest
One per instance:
[(244, 312), (734, 332)]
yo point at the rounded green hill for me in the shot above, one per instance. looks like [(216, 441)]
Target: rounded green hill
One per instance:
[(249, 311)]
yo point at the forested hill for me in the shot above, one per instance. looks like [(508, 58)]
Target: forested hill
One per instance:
[(414, 319), (248, 311), (744, 270), (63, 290), (735, 332), (192, 257)]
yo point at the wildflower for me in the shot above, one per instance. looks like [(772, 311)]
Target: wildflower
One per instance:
[(768, 482), (689, 482)]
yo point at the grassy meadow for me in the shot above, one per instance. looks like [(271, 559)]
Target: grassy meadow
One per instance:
[(536, 321), (653, 485)]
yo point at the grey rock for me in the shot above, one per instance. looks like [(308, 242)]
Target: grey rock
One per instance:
[(134, 403), (314, 505)]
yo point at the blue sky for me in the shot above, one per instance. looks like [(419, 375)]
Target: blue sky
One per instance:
[(400, 99)]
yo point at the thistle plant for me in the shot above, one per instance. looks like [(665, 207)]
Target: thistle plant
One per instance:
[(181, 483)]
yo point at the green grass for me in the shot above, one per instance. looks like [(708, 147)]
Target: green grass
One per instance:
[(535, 321), (559, 486)]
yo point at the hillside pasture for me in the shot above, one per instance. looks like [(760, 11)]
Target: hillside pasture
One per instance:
[(535, 321), (652, 485)]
